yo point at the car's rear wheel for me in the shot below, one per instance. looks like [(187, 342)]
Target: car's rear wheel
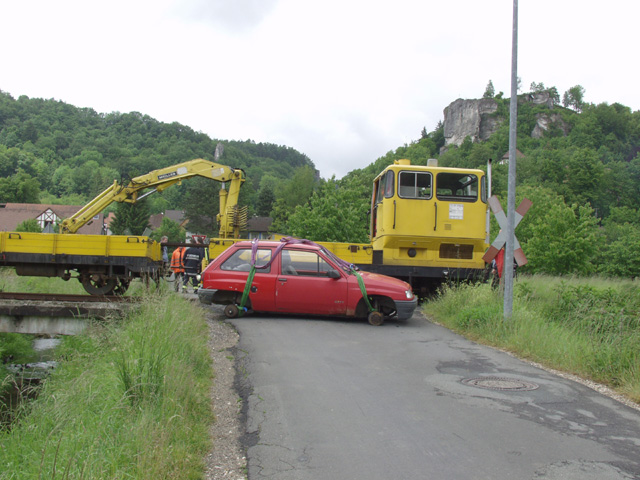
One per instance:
[(376, 318), (231, 310)]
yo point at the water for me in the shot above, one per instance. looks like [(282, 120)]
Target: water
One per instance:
[(26, 378)]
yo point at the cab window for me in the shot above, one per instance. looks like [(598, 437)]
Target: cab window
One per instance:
[(240, 261), (414, 185), (459, 187), (385, 187)]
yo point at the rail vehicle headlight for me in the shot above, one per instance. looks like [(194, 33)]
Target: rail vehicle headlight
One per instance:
[(409, 294), (411, 252)]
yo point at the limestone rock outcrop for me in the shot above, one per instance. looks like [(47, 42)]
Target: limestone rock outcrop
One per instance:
[(470, 118)]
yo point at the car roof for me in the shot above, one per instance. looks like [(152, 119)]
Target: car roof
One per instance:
[(275, 244)]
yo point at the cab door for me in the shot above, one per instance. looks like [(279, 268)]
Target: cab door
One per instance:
[(304, 286)]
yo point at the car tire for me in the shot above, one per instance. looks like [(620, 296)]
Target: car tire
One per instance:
[(231, 311), (376, 318)]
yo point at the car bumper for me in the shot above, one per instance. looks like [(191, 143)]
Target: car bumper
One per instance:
[(405, 309), (205, 295)]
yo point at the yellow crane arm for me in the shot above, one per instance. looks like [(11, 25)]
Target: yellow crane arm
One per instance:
[(159, 180)]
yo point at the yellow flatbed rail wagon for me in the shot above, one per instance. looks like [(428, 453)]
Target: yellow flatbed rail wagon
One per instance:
[(103, 264)]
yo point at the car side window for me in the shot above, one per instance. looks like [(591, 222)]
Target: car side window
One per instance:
[(240, 261), (310, 264)]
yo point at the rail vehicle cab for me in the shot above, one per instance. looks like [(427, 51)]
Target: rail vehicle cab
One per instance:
[(428, 221)]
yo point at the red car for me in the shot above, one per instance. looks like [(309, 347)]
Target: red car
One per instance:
[(300, 277)]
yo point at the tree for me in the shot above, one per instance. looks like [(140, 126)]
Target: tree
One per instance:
[(30, 225), (130, 218), (171, 230), (296, 191), (558, 239), (489, 91), (574, 98), (265, 200), (336, 212), (537, 87)]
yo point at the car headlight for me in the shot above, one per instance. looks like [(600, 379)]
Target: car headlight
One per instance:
[(409, 294)]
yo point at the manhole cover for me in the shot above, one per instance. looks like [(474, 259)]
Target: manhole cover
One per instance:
[(500, 383)]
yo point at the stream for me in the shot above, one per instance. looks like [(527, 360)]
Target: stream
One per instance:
[(25, 379)]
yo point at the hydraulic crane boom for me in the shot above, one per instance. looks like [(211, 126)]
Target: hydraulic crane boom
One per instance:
[(161, 179)]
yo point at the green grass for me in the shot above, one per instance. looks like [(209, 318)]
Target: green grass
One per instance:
[(130, 399), (589, 327)]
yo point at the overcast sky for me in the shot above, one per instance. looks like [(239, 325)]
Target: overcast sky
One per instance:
[(342, 81)]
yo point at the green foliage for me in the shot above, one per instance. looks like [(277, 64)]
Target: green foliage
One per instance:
[(489, 91), (574, 98), (171, 230), (53, 150), (30, 225), (294, 192), (130, 400), (557, 238), (130, 218), (336, 212)]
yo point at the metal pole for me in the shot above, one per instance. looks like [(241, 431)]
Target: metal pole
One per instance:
[(511, 207)]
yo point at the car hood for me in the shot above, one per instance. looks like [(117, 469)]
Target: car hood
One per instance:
[(383, 281)]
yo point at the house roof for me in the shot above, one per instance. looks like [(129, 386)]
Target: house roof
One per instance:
[(13, 214), (176, 215), (259, 224)]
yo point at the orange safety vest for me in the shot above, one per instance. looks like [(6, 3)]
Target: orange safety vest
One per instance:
[(177, 260)]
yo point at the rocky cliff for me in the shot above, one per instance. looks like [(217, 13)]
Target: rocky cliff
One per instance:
[(476, 118)]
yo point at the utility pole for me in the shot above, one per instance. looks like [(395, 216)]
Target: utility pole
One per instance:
[(511, 206)]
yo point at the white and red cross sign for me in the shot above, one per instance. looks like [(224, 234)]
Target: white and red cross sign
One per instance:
[(500, 240)]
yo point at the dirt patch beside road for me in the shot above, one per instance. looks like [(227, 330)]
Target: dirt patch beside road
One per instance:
[(227, 459)]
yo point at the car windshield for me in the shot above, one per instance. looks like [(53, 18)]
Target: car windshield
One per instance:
[(344, 265)]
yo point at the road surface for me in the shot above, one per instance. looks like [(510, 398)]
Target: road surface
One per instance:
[(337, 399)]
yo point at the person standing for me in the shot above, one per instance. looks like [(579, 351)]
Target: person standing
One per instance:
[(177, 265), (165, 251), (192, 264)]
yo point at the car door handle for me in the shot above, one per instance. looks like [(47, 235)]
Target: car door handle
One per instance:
[(282, 280)]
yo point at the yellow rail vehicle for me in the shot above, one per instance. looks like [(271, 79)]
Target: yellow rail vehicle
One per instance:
[(104, 264), (428, 223)]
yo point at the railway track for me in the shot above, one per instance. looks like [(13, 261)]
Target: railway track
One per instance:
[(57, 297)]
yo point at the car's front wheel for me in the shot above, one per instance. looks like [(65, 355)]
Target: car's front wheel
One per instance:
[(231, 311), (375, 318)]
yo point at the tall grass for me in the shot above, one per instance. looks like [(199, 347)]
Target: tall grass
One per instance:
[(590, 327), (130, 399)]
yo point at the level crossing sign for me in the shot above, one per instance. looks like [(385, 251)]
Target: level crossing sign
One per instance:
[(501, 239)]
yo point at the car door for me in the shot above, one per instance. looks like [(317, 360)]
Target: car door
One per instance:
[(234, 272), (304, 286)]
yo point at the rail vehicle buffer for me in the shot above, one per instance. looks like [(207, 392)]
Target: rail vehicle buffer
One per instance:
[(500, 240)]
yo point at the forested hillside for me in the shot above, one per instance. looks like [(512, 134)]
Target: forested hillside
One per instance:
[(53, 152), (583, 179)]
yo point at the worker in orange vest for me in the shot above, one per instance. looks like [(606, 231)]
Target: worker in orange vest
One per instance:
[(177, 266)]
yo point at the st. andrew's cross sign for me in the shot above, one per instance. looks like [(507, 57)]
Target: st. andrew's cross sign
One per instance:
[(500, 240)]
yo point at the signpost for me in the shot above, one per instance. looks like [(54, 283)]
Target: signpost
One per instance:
[(501, 239)]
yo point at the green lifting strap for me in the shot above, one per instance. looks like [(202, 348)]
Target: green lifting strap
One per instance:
[(363, 289), (247, 288)]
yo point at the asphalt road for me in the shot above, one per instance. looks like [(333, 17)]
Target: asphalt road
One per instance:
[(334, 399)]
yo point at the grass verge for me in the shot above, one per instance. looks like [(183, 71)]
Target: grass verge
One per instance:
[(588, 327), (130, 399)]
